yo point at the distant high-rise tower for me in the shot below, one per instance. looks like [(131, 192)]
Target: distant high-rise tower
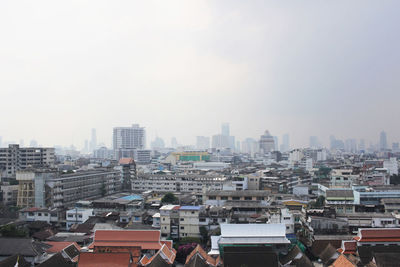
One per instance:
[(314, 142), (174, 142), (86, 147), (202, 142), (225, 129), (267, 142), (93, 141), (285, 146), (383, 141), (33, 143)]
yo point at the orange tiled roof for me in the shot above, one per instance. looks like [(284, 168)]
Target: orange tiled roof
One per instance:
[(169, 243), (342, 261), (167, 254), (125, 161), (199, 250), (58, 246), (89, 259)]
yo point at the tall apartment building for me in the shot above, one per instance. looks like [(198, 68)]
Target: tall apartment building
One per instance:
[(51, 189), (128, 139), (15, 158)]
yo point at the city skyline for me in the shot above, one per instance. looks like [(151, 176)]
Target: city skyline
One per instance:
[(181, 69)]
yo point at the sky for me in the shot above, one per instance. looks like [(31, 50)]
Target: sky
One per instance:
[(181, 68)]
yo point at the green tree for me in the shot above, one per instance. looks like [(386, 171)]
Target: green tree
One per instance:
[(204, 234), (169, 198), (10, 230)]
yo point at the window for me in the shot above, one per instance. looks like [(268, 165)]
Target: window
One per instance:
[(212, 198), (39, 214), (247, 198), (80, 215), (46, 214), (202, 219), (235, 198), (30, 213), (182, 227), (223, 220), (182, 219), (192, 212), (70, 215), (224, 198)]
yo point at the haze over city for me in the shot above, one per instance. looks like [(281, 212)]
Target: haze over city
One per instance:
[(181, 68)]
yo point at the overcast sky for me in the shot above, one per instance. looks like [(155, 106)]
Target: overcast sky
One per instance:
[(181, 68)]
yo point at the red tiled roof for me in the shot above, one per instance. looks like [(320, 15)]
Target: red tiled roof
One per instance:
[(127, 235), (145, 239), (58, 246), (378, 235), (348, 247), (141, 245), (89, 259), (125, 161)]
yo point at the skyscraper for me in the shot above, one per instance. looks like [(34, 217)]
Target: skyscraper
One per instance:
[(202, 142), (383, 141), (267, 142), (174, 142), (285, 146), (314, 142), (93, 141), (225, 129)]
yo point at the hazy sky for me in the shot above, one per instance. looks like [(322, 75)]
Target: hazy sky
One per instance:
[(181, 68)]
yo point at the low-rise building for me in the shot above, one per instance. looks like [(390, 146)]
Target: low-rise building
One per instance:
[(189, 221), (77, 216)]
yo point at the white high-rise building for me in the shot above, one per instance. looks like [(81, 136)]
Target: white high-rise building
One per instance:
[(392, 166), (129, 138)]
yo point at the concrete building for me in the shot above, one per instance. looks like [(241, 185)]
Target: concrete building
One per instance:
[(267, 142), (133, 137), (177, 183), (9, 194), (169, 218), (51, 189), (202, 142), (15, 158), (77, 216), (382, 141), (189, 221), (392, 166)]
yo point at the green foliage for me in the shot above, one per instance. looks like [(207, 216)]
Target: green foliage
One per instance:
[(319, 203), (187, 240), (10, 230), (204, 233), (169, 198)]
